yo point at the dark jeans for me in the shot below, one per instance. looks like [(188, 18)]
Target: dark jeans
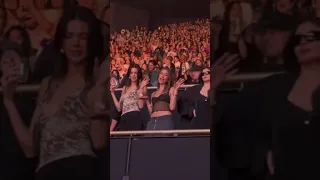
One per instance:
[(75, 168), (160, 123)]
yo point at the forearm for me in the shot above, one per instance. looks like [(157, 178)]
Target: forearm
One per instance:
[(149, 106), (242, 48), (99, 133), (113, 125), (173, 101), (22, 132), (141, 102), (115, 101)]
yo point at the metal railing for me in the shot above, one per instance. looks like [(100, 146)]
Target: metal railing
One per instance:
[(162, 132), (236, 78)]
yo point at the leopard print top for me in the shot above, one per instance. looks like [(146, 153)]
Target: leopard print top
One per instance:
[(66, 132), (130, 103)]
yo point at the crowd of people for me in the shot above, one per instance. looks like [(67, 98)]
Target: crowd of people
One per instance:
[(166, 57), (175, 46)]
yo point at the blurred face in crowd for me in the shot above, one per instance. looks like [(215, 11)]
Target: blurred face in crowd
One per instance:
[(198, 62), (11, 59), (274, 42), (26, 18), (151, 67), (285, 6), (16, 37), (113, 62), (75, 42), (307, 39), (57, 4), (235, 12), (115, 73), (163, 76), (206, 75), (316, 4), (195, 75), (144, 67)]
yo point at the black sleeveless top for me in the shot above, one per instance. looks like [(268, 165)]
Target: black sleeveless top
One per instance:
[(161, 103)]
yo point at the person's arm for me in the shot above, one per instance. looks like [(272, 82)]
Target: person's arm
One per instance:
[(149, 104), (117, 104), (142, 93), (270, 162), (173, 99), (113, 124), (243, 50), (25, 134)]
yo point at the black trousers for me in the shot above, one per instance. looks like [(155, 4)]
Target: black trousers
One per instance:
[(75, 168)]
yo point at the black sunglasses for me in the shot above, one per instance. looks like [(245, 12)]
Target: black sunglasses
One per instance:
[(314, 36), (205, 73)]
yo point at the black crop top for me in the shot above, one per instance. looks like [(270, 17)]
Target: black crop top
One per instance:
[(161, 103)]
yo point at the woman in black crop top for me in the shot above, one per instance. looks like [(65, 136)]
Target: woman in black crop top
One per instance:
[(163, 102)]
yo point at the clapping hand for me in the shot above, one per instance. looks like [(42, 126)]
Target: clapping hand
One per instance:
[(143, 85), (178, 84), (144, 82)]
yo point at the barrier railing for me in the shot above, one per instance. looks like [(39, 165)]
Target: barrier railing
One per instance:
[(236, 78), (162, 132)]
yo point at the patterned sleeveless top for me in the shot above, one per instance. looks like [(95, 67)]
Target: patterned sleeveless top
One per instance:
[(130, 103), (66, 132)]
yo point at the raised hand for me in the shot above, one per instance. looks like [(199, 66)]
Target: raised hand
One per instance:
[(113, 88), (178, 84), (144, 82), (223, 68)]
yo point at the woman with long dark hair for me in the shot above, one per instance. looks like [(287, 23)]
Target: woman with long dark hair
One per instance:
[(227, 34), (63, 132), (130, 104), (163, 101)]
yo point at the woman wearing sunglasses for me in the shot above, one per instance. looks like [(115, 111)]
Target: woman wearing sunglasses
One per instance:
[(294, 137), (194, 105)]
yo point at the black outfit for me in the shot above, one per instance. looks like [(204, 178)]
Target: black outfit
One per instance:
[(14, 164), (76, 167), (161, 103), (262, 120), (190, 100), (130, 121)]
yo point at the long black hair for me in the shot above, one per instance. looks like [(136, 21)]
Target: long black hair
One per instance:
[(95, 40)]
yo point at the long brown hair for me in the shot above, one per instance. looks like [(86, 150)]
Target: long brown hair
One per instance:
[(170, 80)]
